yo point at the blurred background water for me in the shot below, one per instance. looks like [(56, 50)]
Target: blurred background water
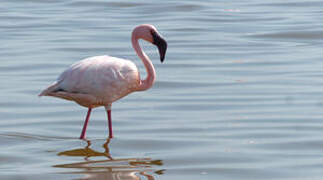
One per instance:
[(239, 95)]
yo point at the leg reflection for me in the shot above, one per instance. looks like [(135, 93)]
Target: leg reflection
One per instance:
[(87, 152), (109, 168)]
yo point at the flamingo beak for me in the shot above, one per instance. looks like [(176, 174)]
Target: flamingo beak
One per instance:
[(161, 45)]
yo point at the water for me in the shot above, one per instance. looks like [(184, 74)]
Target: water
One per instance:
[(239, 95)]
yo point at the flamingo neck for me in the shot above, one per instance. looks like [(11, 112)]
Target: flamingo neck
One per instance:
[(151, 74)]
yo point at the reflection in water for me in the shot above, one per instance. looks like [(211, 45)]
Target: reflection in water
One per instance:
[(87, 151), (110, 168)]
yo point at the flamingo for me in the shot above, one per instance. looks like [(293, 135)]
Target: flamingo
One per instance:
[(101, 80)]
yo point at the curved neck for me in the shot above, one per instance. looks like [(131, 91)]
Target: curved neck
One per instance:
[(151, 74)]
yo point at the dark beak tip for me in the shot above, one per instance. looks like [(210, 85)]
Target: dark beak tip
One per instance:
[(162, 59), (162, 56)]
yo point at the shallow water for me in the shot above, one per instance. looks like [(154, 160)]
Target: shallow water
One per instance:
[(239, 95)]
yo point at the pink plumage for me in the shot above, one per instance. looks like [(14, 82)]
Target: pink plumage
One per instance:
[(101, 80)]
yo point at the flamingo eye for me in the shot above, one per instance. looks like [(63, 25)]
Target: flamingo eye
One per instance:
[(152, 32)]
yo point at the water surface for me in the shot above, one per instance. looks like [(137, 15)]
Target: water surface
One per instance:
[(239, 95)]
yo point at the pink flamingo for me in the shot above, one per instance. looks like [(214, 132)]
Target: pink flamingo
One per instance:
[(101, 80)]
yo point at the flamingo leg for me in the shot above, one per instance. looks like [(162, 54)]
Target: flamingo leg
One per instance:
[(85, 123), (110, 123)]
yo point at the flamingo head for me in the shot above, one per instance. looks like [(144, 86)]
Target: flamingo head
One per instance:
[(149, 33)]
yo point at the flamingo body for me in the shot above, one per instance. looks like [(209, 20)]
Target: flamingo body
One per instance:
[(96, 81), (101, 80)]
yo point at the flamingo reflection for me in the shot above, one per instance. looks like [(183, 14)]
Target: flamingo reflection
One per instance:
[(87, 152), (110, 168)]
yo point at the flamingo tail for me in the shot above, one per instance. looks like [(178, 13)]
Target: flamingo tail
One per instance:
[(52, 88)]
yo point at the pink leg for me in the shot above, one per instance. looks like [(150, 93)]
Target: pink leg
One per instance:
[(85, 123), (110, 123)]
